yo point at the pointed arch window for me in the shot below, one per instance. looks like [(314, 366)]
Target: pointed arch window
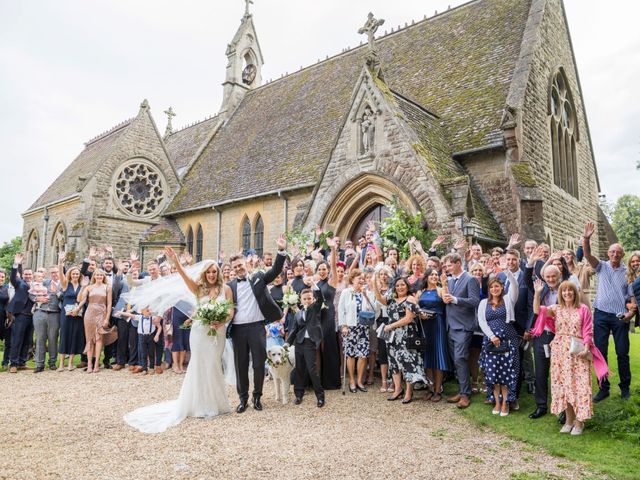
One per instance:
[(58, 242), (258, 236), (199, 244), (564, 134), (246, 235), (33, 247), (190, 240)]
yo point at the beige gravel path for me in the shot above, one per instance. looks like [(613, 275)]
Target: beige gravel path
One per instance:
[(69, 425)]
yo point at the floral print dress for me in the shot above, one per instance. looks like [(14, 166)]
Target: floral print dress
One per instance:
[(401, 359), (570, 375)]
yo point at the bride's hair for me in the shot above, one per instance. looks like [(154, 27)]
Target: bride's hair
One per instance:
[(205, 287)]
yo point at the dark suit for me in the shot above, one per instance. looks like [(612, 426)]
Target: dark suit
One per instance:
[(20, 307), (461, 323), (250, 338), (308, 324)]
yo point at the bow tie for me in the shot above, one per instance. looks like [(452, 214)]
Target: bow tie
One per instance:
[(242, 279)]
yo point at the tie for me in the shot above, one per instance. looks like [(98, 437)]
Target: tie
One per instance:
[(242, 279), (453, 283)]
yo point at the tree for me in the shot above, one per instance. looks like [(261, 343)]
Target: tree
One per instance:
[(8, 251), (626, 221), (400, 226)]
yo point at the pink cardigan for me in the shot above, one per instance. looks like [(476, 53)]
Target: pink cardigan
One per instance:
[(544, 320)]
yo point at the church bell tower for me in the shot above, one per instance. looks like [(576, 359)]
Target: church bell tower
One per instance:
[(244, 66)]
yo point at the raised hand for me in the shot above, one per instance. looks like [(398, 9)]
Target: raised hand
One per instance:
[(18, 258), (371, 226), (109, 249), (411, 241), (418, 245), (589, 230), (133, 256), (331, 242), (171, 254), (85, 281), (92, 252), (438, 241), (459, 244), (538, 285), (281, 242), (221, 255), (444, 279), (318, 231), (514, 240), (502, 262)]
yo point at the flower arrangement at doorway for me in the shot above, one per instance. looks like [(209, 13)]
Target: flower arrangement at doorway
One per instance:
[(400, 225)]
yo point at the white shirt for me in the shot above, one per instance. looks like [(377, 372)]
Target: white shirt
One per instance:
[(145, 325), (247, 309)]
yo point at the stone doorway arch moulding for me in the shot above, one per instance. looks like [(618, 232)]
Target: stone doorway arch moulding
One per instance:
[(358, 197)]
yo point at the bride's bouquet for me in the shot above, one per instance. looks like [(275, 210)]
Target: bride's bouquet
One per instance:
[(290, 300), (213, 314)]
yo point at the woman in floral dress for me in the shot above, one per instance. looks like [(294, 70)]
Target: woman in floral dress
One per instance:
[(403, 362), (571, 322)]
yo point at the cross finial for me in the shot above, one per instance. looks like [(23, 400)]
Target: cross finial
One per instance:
[(170, 114), (369, 28), (246, 7)]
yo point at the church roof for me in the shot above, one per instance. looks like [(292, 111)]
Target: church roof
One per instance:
[(458, 64), (167, 232), (183, 144), (85, 165)]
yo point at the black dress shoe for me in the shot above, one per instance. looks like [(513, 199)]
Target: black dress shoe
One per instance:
[(257, 404), (601, 395), (625, 394), (241, 407), (38, 370), (540, 412), (393, 399), (562, 419), (108, 366), (407, 400), (298, 401), (320, 403)]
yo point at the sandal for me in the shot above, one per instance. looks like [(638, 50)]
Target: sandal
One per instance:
[(428, 396), (436, 397), (383, 388)]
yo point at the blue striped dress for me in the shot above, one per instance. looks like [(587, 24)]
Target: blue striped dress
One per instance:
[(436, 356)]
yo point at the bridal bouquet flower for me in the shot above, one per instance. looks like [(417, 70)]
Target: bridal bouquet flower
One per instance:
[(291, 300), (213, 314)]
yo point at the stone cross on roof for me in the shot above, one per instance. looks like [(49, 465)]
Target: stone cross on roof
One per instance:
[(370, 27), (246, 7), (170, 114)]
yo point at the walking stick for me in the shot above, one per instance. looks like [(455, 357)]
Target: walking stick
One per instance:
[(344, 368)]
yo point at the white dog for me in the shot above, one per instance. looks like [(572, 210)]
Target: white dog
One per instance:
[(281, 362)]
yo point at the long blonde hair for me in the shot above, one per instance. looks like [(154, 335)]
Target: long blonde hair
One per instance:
[(104, 277), (204, 287), (631, 274)]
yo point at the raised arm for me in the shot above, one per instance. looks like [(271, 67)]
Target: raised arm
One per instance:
[(538, 286), (514, 288), (589, 230), (189, 282), (271, 274), (376, 289), (63, 278), (333, 278)]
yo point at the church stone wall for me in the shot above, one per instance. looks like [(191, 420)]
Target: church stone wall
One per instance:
[(564, 215)]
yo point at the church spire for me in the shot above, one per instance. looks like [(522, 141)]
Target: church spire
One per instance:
[(244, 67)]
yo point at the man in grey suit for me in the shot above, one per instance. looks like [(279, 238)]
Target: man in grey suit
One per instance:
[(462, 300)]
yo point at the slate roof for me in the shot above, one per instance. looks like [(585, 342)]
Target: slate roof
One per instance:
[(166, 232), (433, 148), (183, 144), (458, 65), (85, 165)]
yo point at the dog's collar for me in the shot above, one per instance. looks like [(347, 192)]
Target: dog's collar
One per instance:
[(286, 356)]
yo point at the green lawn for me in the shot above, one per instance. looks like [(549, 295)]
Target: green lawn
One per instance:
[(610, 443)]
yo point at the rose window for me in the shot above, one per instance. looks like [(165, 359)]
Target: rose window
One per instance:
[(139, 189)]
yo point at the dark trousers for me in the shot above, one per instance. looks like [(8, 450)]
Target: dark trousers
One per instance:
[(603, 324), (542, 367), (122, 344), (306, 364), (132, 336), (159, 345), (147, 350), (7, 347), (110, 350), (249, 338), (21, 339)]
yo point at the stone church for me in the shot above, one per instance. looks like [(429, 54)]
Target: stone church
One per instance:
[(474, 116)]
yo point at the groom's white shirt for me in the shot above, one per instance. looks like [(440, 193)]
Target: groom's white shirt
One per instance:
[(247, 309)]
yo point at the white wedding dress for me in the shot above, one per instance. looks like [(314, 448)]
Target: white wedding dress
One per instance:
[(203, 392)]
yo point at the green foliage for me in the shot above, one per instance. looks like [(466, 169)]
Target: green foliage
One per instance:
[(400, 226), (8, 251), (299, 238), (625, 220)]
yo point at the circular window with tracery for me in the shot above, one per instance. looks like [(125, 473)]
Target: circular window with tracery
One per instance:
[(139, 188)]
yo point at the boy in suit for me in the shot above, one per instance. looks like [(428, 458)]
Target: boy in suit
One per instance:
[(306, 335)]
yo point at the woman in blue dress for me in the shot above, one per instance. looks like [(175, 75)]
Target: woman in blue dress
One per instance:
[(72, 341), (432, 315)]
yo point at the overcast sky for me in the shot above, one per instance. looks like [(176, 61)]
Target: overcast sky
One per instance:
[(71, 69)]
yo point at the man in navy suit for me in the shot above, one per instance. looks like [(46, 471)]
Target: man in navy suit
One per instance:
[(20, 307), (461, 301), (523, 308)]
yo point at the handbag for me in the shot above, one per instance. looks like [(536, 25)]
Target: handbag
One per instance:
[(417, 341), (576, 346), (428, 314), (365, 317), (503, 349), (382, 335)]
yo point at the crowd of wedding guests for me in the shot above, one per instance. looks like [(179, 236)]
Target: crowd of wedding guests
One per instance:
[(496, 323)]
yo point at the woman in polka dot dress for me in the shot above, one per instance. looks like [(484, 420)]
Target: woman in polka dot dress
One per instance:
[(501, 368)]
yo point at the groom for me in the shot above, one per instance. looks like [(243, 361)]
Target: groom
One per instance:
[(254, 306)]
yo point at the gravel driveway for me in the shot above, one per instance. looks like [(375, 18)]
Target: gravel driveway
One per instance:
[(69, 425)]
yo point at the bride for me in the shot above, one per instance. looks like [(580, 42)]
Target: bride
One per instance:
[(204, 391)]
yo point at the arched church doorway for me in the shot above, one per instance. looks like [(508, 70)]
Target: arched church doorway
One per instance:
[(376, 214)]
